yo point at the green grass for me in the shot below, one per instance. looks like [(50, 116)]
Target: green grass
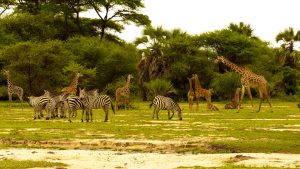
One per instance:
[(221, 131), (17, 164)]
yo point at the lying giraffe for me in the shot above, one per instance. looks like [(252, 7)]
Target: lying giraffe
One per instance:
[(248, 80), (123, 92), (235, 101), (13, 89), (72, 88)]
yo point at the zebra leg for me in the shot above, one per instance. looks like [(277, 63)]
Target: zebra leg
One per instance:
[(172, 115), (82, 114), (87, 117), (154, 112), (105, 108), (157, 114), (91, 114), (70, 112)]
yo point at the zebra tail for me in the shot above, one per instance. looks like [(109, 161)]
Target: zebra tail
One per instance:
[(112, 107), (150, 105)]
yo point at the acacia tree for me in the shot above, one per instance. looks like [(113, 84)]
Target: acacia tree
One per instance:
[(288, 37), (70, 9), (5, 5), (113, 13)]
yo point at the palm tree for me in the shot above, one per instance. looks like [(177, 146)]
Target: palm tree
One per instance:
[(241, 28), (288, 37), (153, 64)]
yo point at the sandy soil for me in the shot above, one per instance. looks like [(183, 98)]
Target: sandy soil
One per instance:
[(89, 159)]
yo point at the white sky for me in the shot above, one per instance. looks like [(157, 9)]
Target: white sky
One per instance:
[(266, 17)]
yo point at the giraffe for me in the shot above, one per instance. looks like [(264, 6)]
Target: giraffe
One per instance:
[(235, 101), (72, 88), (13, 89), (191, 94), (201, 92), (248, 80), (123, 92)]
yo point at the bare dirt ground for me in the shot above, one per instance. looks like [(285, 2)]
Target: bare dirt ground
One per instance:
[(90, 159)]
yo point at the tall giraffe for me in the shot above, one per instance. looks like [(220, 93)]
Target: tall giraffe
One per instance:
[(13, 89), (201, 92), (123, 92), (248, 80), (72, 88), (191, 94)]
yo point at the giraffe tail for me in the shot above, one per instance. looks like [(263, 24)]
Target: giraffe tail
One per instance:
[(112, 107)]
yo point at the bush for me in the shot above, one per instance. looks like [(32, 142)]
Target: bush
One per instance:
[(159, 87), (224, 85)]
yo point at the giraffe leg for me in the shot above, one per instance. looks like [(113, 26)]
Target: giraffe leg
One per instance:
[(21, 100), (268, 99), (251, 99), (242, 97), (198, 101), (10, 100), (117, 102), (261, 98)]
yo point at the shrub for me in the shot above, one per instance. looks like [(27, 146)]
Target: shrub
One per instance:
[(160, 87)]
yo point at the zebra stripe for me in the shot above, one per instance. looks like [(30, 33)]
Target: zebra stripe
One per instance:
[(38, 104), (74, 103), (165, 103), (103, 101), (93, 100)]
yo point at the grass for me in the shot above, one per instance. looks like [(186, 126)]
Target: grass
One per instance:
[(22, 164), (202, 132)]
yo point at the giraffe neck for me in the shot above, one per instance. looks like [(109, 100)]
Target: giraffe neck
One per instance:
[(233, 66), (197, 83), (128, 82), (9, 81), (75, 81), (191, 85)]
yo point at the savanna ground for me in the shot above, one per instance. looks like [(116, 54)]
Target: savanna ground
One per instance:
[(132, 139)]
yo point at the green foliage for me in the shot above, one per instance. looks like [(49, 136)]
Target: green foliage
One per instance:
[(225, 85), (160, 87), (289, 79), (119, 12), (31, 27), (37, 66)]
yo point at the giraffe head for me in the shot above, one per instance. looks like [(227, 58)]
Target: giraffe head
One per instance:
[(220, 59), (79, 75), (130, 76), (5, 72), (191, 78)]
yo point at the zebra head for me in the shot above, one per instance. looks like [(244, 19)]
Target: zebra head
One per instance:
[(179, 111)]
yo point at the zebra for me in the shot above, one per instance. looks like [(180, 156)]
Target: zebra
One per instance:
[(74, 103), (53, 104), (165, 103), (38, 104), (93, 100)]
